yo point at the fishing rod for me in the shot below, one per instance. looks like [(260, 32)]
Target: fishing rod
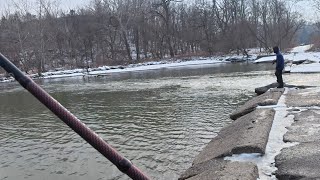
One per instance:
[(123, 164)]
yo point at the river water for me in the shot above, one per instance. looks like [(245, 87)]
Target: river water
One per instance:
[(159, 119)]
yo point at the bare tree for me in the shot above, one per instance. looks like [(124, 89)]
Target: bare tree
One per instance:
[(162, 9), (112, 32)]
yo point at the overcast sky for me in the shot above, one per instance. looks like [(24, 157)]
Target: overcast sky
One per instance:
[(305, 7), (66, 5)]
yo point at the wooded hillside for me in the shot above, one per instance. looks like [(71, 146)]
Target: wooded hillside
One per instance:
[(128, 31)]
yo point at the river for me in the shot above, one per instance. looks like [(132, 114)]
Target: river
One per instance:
[(159, 119)]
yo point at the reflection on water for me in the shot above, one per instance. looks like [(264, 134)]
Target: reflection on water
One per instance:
[(160, 120)]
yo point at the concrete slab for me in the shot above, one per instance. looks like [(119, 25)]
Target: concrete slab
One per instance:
[(213, 165), (266, 99), (303, 97), (299, 162), (306, 127), (249, 134), (230, 171), (264, 89)]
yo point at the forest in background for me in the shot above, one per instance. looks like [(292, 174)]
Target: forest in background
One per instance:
[(115, 32)]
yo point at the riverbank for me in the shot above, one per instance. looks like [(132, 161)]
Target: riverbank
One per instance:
[(274, 136), (298, 60), (105, 70)]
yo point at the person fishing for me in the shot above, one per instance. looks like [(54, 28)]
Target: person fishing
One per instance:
[(279, 66)]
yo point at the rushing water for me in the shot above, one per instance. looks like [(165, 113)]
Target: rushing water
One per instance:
[(159, 119)]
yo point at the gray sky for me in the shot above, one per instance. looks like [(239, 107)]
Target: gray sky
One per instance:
[(305, 7), (66, 5)]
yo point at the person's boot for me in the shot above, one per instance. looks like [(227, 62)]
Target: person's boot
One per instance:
[(280, 85)]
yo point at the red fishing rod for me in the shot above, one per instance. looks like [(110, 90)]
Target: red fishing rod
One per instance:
[(73, 122)]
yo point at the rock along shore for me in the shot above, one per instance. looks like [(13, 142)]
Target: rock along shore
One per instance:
[(298, 156)]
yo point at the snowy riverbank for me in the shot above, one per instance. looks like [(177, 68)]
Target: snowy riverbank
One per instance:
[(132, 67), (298, 60)]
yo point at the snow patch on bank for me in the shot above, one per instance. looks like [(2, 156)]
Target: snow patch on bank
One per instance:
[(297, 54), (153, 66), (115, 69), (305, 68), (300, 49), (266, 59), (298, 61), (266, 162), (293, 57)]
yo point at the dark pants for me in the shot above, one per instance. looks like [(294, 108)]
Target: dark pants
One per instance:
[(279, 78)]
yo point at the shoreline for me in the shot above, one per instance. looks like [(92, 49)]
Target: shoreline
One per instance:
[(104, 70), (297, 61)]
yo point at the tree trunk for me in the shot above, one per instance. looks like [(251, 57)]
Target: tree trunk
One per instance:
[(171, 50), (125, 39), (137, 39)]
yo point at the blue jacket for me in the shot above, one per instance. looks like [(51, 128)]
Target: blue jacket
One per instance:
[(280, 62)]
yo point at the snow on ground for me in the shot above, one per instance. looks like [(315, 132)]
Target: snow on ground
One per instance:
[(62, 75), (265, 59), (131, 67), (293, 57), (300, 49), (157, 65), (239, 58), (305, 68), (303, 56), (307, 62)]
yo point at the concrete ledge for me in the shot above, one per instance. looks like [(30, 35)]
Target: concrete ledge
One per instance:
[(213, 165), (305, 127), (249, 134), (303, 98), (268, 98), (227, 170), (264, 89), (299, 162), (303, 160)]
